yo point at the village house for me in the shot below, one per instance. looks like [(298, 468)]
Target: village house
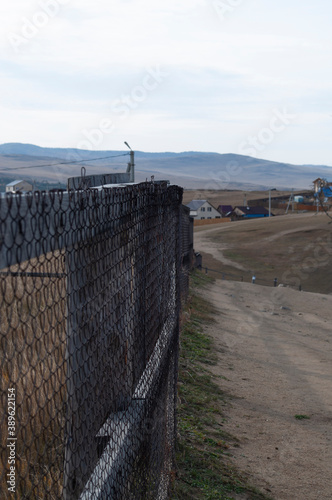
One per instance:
[(225, 210), (320, 183), (19, 186), (323, 191), (202, 209)]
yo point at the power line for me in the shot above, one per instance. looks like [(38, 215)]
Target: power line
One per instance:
[(62, 163)]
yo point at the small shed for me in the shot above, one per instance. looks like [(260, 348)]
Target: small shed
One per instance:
[(19, 186), (250, 212)]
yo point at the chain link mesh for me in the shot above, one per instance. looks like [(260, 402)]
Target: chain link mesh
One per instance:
[(89, 304), (187, 250)]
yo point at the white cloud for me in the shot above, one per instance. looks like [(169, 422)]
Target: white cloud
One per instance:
[(224, 76)]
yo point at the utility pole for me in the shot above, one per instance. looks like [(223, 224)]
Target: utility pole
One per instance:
[(131, 164), (291, 200), (269, 202)]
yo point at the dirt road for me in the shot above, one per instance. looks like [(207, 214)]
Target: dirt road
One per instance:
[(275, 352)]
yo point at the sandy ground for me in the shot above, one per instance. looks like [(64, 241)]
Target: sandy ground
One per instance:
[(275, 359)]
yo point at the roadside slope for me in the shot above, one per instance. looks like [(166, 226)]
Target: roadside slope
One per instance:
[(296, 249)]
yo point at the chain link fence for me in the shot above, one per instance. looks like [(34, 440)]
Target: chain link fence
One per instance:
[(89, 305), (187, 250)]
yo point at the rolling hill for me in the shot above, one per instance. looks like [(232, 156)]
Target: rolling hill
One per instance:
[(189, 169)]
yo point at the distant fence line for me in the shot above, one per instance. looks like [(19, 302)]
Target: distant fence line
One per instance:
[(206, 222), (90, 288), (309, 208), (249, 278), (277, 204)]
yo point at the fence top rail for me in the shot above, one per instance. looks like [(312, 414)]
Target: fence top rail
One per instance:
[(99, 187)]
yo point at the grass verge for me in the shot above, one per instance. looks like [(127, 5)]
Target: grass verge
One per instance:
[(204, 468)]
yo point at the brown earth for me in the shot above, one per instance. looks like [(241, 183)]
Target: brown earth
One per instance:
[(296, 249), (275, 360)]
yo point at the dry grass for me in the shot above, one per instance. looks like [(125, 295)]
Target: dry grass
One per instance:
[(228, 197), (32, 345), (296, 249), (203, 459)]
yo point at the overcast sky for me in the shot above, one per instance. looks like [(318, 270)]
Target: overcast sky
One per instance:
[(250, 77)]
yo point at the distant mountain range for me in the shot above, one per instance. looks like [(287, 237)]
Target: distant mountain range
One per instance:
[(190, 169)]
